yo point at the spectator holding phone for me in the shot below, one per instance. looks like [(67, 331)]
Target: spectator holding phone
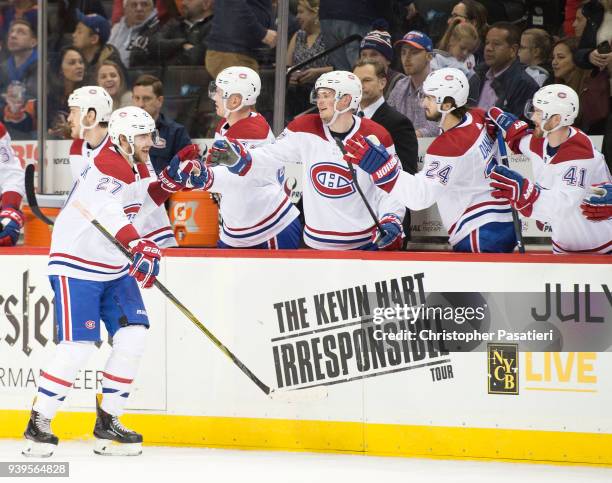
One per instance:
[(594, 52), (591, 90), (594, 48)]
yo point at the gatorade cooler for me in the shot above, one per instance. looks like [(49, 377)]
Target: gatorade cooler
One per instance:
[(37, 233), (195, 218)]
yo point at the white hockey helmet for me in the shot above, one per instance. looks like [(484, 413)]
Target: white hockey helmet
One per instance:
[(91, 97), (236, 80), (554, 99), (342, 83), (131, 121), (447, 82)]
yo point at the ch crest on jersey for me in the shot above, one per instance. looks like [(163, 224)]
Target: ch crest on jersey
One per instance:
[(331, 180)]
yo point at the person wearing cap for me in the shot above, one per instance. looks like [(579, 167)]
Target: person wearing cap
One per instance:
[(416, 54), (90, 37), (376, 47)]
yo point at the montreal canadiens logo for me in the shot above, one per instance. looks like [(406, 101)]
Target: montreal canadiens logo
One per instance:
[(562, 95), (449, 77), (331, 180), (90, 324)]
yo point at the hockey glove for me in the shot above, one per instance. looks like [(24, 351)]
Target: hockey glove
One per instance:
[(374, 160), (392, 239), (201, 178), (512, 128), (512, 186), (598, 206), (176, 175), (232, 154), (11, 222), (145, 266)]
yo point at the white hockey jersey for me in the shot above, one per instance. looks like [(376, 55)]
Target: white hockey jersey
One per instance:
[(11, 173), (455, 175), (336, 216), (253, 209), (565, 178), (155, 227), (114, 193)]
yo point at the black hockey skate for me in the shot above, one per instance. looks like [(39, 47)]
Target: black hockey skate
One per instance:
[(41, 440), (112, 438)]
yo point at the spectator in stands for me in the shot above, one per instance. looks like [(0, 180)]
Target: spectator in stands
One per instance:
[(456, 48), (598, 26), (91, 37), (475, 13), (239, 27), (166, 9), (17, 9), (306, 43), (416, 55), (342, 18), (148, 94), (183, 40), (21, 64), (65, 75), (501, 80), (570, 18), (373, 78), (376, 46), (67, 18), (535, 51), (132, 34), (591, 90), (110, 76), (579, 23), (373, 106)]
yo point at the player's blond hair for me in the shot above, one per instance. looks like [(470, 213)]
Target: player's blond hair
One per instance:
[(457, 32)]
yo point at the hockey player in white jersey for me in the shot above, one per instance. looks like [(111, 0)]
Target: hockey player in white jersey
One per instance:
[(93, 281), (90, 111), (11, 191), (256, 212), (455, 171), (335, 214), (565, 164)]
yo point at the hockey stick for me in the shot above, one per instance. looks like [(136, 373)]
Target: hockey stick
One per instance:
[(293, 395), (175, 301), (31, 195), (381, 231), (515, 218)]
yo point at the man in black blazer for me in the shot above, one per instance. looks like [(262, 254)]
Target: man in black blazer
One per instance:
[(373, 106)]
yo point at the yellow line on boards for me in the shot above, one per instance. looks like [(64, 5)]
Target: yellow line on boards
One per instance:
[(561, 447)]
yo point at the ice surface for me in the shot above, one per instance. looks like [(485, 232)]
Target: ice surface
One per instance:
[(179, 465)]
